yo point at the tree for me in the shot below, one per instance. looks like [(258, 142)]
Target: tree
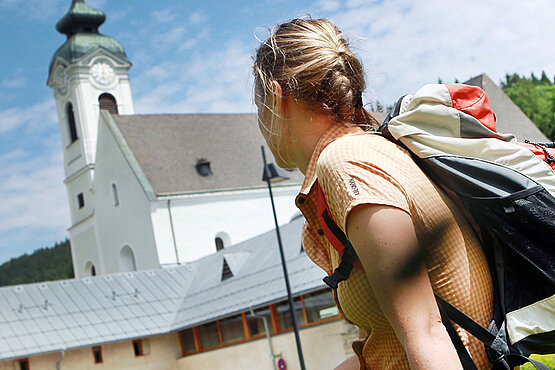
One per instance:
[(535, 97), (51, 263), (544, 79)]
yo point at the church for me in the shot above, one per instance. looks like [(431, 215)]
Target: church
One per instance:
[(172, 235), (150, 191)]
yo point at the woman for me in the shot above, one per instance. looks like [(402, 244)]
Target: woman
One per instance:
[(308, 87)]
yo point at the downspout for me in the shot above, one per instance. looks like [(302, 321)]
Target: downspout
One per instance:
[(173, 233), (63, 353), (267, 330)]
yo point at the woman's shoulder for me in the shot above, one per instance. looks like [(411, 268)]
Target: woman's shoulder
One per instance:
[(365, 147)]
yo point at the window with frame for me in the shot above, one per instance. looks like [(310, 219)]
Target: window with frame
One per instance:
[(140, 347), (209, 336), (187, 339), (108, 102), (255, 323), (80, 200), (310, 309), (115, 197), (97, 354), (232, 329), (219, 243), (284, 315), (22, 364), (319, 306), (71, 123)]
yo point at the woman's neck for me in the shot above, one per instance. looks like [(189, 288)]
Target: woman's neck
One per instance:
[(307, 126)]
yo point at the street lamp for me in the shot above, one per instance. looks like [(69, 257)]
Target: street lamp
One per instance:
[(272, 174)]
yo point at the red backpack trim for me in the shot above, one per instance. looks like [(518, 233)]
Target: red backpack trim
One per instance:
[(332, 232)]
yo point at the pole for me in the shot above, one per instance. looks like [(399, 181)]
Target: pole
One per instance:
[(268, 336), (283, 264)]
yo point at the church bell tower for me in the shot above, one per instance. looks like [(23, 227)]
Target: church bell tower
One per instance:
[(87, 73)]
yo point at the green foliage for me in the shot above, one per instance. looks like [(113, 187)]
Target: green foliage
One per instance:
[(53, 263), (547, 360), (536, 98)]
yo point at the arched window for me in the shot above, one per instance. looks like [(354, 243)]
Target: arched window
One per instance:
[(108, 102), (222, 240), (71, 123), (219, 244), (115, 197), (127, 259), (90, 270)]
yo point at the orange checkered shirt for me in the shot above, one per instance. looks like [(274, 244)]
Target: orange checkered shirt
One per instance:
[(369, 169)]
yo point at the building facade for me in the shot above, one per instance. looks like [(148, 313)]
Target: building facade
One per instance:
[(147, 191), (226, 310)]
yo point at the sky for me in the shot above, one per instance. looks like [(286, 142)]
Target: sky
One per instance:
[(195, 57)]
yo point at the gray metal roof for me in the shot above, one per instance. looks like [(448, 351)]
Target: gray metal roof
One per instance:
[(509, 117), (49, 317), (258, 277), (168, 146)]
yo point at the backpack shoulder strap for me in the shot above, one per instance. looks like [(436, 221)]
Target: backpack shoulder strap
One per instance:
[(337, 239)]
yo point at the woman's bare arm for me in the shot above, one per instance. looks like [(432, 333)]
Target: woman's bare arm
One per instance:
[(384, 237), (351, 363)]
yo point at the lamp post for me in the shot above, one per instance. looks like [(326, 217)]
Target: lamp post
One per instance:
[(270, 175)]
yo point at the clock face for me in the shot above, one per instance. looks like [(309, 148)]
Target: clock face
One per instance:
[(103, 73), (62, 82)]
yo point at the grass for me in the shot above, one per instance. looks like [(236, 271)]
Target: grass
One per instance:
[(547, 360)]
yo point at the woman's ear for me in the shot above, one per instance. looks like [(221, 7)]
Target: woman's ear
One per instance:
[(277, 98)]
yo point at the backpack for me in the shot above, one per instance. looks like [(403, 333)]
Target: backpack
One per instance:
[(507, 189)]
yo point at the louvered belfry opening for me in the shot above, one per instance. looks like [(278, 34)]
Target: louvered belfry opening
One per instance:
[(108, 102)]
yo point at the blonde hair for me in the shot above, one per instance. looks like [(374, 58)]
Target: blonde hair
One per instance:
[(312, 62)]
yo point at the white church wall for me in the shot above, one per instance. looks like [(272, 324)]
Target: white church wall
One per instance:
[(83, 249), (197, 220), (127, 221), (163, 232), (80, 183)]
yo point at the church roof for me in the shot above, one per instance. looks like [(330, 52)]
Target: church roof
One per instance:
[(54, 316), (80, 24), (509, 117), (168, 148), (80, 17)]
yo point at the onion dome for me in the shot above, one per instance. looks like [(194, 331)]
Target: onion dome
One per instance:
[(80, 24)]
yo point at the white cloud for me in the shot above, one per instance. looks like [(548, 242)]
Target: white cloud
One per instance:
[(97, 4), (32, 192), (43, 10), (166, 32), (198, 18), (33, 211), (164, 16), (36, 117), (118, 15), (171, 38), (16, 80), (192, 41), (213, 81), (328, 5), (405, 44)]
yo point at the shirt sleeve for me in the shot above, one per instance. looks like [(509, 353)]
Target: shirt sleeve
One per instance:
[(360, 170)]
